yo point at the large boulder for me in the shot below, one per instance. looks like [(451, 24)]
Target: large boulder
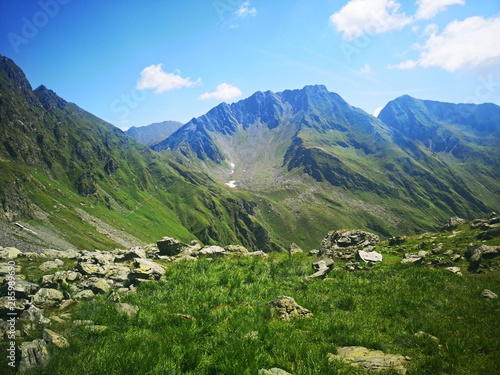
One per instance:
[(34, 355), (369, 256), (286, 308), (322, 268), (146, 270), (170, 246), (47, 297), (370, 360), (212, 251), (344, 244), (9, 253)]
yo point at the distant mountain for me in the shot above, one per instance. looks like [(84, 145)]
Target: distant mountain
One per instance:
[(153, 133), (76, 180), (320, 160)]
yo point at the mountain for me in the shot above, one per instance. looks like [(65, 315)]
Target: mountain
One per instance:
[(77, 181), (153, 133), (320, 162)]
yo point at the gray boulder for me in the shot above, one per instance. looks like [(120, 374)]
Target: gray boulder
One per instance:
[(34, 315), (486, 293), (370, 360), (146, 270), (170, 246), (47, 297), (273, 371), (294, 249), (50, 265), (55, 339), (9, 253), (322, 268), (344, 244), (34, 355), (369, 256), (286, 308), (212, 251)]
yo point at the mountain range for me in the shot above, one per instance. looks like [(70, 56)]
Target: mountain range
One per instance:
[(154, 133), (266, 171)]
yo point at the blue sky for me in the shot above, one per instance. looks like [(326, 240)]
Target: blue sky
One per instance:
[(137, 62)]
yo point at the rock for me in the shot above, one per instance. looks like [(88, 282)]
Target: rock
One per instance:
[(455, 270), (170, 246), (344, 244), (371, 360), (126, 255), (475, 254), (34, 315), (34, 355), (55, 339), (8, 305), (313, 252), (146, 270), (22, 288), (93, 269), (236, 250), (50, 265), (101, 286), (488, 294), (118, 273), (212, 251), (9, 253), (422, 334), (258, 253), (273, 371), (413, 258), (53, 254), (393, 241), (9, 268), (126, 309), (286, 308), (322, 268), (437, 249), (294, 249), (353, 266), (369, 257), (60, 278), (452, 223), (47, 297)]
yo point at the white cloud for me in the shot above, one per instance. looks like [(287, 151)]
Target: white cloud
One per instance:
[(360, 17), (154, 77), (427, 9), (377, 111), (245, 10), (470, 43), (367, 69), (431, 29), (224, 91)]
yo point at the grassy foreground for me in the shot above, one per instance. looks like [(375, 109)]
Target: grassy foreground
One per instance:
[(228, 327)]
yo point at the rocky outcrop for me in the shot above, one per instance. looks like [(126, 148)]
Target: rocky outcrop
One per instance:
[(286, 309), (322, 268), (344, 244), (480, 256), (34, 355), (370, 360)]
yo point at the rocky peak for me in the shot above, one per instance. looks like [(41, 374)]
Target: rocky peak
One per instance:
[(49, 99)]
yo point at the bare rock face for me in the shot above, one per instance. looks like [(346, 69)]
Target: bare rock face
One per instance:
[(286, 308), (371, 360), (344, 244)]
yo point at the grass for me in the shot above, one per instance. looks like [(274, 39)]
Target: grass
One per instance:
[(228, 299)]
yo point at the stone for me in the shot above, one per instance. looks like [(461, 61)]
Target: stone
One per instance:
[(313, 252), (413, 258), (118, 273), (258, 253), (47, 297), (170, 246), (273, 371), (126, 255), (146, 269), (236, 250), (22, 288), (50, 265), (294, 249), (88, 268), (34, 355), (369, 257), (393, 241), (55, 339), (286, 308), (322, 268), (371, 360), (126, 309), (101, 286), (212, 251), (53, 254), (486, 293), (7, 305), (9, 253), (455, 270), (34, 315), (452, 223), (344, 244), (7, 269)]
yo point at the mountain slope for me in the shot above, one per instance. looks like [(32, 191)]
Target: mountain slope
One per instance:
[(67, 174), (153, 133), (315, 160)]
